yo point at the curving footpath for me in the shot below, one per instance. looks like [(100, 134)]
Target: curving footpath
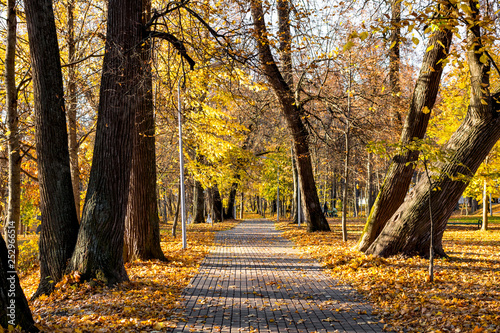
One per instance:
[(255, 281)]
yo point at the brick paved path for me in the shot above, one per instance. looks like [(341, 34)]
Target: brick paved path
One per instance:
[(254, 281)]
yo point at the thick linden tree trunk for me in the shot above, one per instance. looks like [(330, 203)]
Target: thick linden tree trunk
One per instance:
[(142, 224), (408, 230), (398, 177), (14, 309), (99, 249), (57, 206), (314, 217)]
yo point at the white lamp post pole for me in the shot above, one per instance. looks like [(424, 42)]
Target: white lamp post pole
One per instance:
[(181, 166), (278, 203)]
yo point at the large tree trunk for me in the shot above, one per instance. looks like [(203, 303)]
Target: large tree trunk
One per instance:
[(398, 177), (57, 205), (142, 224), (292, 110), (408, 231), (14, 203), (14, 309), (71, 114), (198, 203), (99, 249)]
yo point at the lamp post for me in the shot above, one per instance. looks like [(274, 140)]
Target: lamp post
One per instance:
[(181, 165)]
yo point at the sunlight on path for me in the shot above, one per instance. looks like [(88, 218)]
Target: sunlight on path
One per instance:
[(254, 281)]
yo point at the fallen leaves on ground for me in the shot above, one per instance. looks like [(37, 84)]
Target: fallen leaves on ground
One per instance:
[(147, 302), (465, 296)]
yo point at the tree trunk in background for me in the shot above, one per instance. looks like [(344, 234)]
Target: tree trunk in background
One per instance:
[(19, 313), (394, 60), (230, 205), (398, 177), (217, 205), (57, 205), (407, 231), (312, 209), (369, 185), (295, 175), (99, 250), (142, 224), (242, 206), (484, 225), (71, 110), (14, 201), (177, 213), (198, 203)]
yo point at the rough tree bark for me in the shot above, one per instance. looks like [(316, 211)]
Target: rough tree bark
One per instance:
[(14, 308), (14, 201), (398, 177), (99, 249), (292, 111), (394, 60), (59, 219), (407, 231), (142, 223)]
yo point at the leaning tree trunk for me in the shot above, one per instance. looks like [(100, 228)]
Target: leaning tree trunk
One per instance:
[(14, 308), (99, 249), (59, 219), (14, 203), (198, 202), (142, 224), (398, 177), (407, 231), (314, 217)]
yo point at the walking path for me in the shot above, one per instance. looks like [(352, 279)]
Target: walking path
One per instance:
[(255, 281)]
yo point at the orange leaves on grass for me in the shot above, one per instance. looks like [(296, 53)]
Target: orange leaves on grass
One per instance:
[(465, 296)]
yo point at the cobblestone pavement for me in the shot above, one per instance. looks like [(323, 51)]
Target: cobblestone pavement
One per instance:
[(255, 281)]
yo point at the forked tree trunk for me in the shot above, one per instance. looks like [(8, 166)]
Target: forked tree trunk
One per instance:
[(198, 203), (407, 231), (314, 217), (14, 203), (14, 309), (398, 177), (142, 224), (57, 206), (99, 249)]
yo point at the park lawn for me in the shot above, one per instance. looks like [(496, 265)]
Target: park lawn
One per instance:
[(465, 296), (147, 302)]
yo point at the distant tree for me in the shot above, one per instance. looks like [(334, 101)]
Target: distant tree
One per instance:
[(292, 111)]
